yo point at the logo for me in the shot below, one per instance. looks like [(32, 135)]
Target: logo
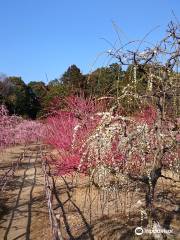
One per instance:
[(139, 231)]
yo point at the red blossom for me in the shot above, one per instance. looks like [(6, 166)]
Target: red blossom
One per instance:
[(147, 115)]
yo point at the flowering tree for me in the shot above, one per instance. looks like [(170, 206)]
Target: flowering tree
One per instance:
[(67, 130), (28, 131), (16, 130), (7, 125), (115, 148)]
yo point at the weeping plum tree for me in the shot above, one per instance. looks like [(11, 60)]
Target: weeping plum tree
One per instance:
[(111, 146), (161, 91)]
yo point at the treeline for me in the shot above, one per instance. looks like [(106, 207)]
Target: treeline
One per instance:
[(35, 99)]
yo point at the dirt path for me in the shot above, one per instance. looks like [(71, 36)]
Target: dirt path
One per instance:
[(25, 215), (81, 210)]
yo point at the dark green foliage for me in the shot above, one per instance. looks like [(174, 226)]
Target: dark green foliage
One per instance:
[(74, 80), (34, 104), (56, 90), (17, 100), (38, 92), (36, 99), (105, 81), (39, 89)]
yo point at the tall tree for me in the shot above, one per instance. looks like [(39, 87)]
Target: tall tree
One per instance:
[(6, 87), (103, 81), (56, 91), (17, 101), (74, 79), (38, 92), (39, 89)]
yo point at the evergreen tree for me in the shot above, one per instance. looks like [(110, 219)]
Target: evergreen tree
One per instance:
[(74, 79)]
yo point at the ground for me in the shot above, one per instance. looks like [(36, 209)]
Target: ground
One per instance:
[(81, 209), (24, 213)]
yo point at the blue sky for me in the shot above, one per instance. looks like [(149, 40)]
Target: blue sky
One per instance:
[(39, 37)]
